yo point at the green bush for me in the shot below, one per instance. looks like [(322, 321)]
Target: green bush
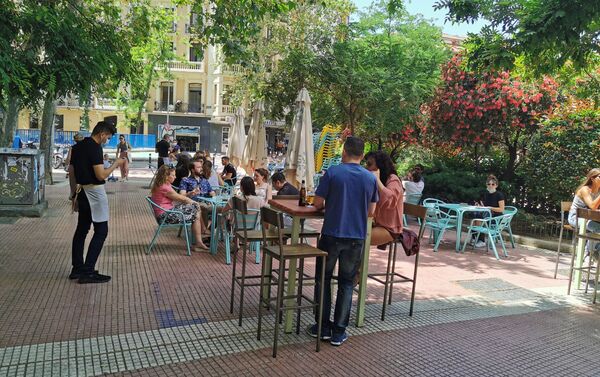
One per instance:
[(559, 156), (458, 186)]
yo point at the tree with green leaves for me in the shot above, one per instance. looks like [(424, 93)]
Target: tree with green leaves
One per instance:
[(546, 33), (149, 30), (67, 48)]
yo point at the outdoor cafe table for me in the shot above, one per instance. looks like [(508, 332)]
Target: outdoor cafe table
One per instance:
[(460, 209), (217, 201), (291, 207)]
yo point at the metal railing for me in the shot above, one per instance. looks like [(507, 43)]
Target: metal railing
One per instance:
[(232, 69), (179, 107), (227, 109), (66, 137), (186, 66)]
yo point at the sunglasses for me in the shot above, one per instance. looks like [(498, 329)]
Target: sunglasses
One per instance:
[(491, 184)]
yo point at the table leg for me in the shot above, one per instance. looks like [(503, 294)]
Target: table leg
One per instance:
[(459, 220), (213, 231), (580, 250), (291, 285), (364, 272)]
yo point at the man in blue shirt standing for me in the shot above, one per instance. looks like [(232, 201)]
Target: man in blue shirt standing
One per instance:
[(348, 193)]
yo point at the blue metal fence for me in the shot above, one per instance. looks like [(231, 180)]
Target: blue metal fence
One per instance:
[(66, 137)]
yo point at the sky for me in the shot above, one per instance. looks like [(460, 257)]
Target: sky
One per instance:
[(425, 8)]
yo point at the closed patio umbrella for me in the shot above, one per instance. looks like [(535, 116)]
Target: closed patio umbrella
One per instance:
[(300, 157), (237, 138), (255, 150)]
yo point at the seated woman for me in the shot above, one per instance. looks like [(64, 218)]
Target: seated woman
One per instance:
[(211, 175), (164, 195), (390, 208), (413, 186), (263, 188), (182, 169), (587, 196), (493, 200), (248, 193)]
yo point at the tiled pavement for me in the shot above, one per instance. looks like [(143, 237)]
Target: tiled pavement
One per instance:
[(167, 314)]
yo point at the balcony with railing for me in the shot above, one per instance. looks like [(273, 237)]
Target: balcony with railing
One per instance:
[(179, 107), (105, 104), (68, 102), (186, 66), (231, 69)]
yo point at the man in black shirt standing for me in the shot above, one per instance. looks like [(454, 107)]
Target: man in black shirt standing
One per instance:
[(229, 174), (87, 165), (162, 148)]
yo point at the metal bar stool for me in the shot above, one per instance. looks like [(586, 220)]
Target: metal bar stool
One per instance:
[(391, 275), (273, 219), (588, 215), (245, 232), (564, 207)]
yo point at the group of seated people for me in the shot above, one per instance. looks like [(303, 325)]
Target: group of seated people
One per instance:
[(587, 196), (180, 188)]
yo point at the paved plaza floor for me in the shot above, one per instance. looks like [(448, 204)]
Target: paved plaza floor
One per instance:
[(167, 314)]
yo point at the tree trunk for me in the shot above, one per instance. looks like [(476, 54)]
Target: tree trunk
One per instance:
[(138, 117), (47, 134), (9, 123), (509, 173)]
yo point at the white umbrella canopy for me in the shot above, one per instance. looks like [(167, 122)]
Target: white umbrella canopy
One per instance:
[(237, 138), (301, 151), (255, 150)]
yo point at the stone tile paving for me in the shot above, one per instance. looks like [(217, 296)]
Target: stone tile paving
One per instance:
[(168, 308), (560, 342)]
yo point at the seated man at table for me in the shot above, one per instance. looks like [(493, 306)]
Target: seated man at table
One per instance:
[(282, 186), (196, 186), (348, 193)]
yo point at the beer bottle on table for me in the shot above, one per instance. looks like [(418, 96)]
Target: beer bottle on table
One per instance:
[(302, 199)]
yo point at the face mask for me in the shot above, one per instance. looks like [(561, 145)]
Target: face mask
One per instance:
[(491, 189)]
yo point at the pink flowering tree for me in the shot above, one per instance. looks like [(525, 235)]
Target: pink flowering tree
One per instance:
[(476, 111)]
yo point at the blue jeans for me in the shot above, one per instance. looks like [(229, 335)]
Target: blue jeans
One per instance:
[(349, 252)]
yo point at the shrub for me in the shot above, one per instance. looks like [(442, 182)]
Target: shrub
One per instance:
[(559, 156)]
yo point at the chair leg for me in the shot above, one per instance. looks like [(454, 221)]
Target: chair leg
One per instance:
[(154, 239), (492, 241), (320, 308), (299, 299), (278, 306), (414, 286), (560, 237), (512, 239), (257, 252), (187, 239), (243, 282), (227, 247), (439, 239), (589, 271), (261, 303), (392, 273), (233, 275), (503, 245), (571, 267), (387, 282), (466, 241), (596, 282)]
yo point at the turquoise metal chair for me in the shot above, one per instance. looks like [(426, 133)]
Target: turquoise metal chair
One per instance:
[(492, 227), (251, 221), (512, 211), (184, 225), (438, 221)]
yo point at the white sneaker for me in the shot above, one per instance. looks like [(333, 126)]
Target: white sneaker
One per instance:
[(480, 244)]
